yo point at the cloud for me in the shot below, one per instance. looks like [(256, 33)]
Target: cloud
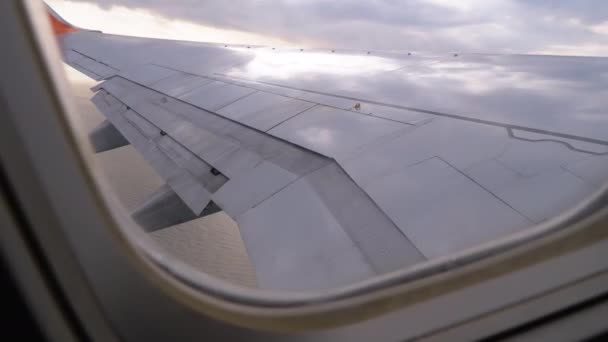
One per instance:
[(501, 26)]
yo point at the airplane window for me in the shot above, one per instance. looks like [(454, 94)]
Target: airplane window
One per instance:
[(320, 145)]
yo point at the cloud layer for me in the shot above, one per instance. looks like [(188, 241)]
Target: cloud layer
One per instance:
[(518, 26)]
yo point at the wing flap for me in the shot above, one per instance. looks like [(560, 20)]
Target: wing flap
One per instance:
[(142, 137)]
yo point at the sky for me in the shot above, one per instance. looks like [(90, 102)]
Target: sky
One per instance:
[(563, 27)]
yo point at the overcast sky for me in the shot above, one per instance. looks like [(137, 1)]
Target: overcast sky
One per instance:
[(574, 27)]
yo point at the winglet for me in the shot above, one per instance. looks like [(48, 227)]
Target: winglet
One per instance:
[(60, 26)]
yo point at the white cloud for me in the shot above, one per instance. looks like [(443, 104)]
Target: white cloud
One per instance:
[(499, 26), (460, 5), (142, 23), (600, 28)]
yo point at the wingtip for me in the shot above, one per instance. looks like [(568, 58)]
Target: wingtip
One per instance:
[(60, 25)]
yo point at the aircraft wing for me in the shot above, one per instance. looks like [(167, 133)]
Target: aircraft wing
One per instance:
[(340, 165)]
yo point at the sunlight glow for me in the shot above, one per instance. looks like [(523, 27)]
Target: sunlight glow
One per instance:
[(583, 49), (266, 64)]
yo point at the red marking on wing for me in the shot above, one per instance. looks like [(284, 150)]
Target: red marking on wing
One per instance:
[(60, 27)]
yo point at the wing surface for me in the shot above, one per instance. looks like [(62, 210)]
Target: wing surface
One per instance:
[(339, 165)]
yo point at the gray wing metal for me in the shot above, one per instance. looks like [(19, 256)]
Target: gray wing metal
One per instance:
[(338, 165), (305, 222)]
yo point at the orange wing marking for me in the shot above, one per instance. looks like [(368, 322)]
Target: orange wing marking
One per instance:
[(60, 27)]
